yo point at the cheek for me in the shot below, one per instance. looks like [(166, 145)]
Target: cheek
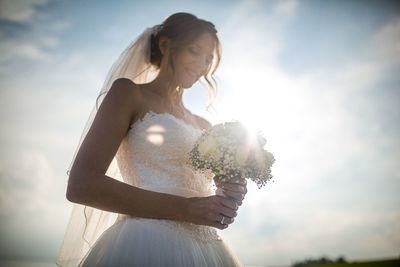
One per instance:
[(183, 62), (188, 57)]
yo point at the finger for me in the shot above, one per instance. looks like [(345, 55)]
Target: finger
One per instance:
[(221, 219), (218, 225), (227, 212), (235, 195), (220, 179), (216, 220), (229, 203), (234, 187), (237, 187)]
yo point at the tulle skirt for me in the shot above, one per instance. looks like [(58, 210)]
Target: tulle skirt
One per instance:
[(155, 243)]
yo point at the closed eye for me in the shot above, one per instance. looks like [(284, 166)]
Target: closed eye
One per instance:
[(195, 51), (192, 50)]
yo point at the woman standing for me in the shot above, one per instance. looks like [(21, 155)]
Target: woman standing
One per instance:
[(141, 134)]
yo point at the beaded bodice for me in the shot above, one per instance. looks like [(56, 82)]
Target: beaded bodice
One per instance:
[(154, 156)]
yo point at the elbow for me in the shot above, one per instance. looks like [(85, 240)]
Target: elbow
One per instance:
[(72, 194), (76, 189)]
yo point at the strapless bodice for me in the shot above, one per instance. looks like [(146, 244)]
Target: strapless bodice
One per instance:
[(154, 156)]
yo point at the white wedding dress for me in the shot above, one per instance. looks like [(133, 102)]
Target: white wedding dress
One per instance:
[(153, 156)]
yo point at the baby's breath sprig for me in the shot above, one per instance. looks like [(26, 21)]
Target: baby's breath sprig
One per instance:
[(229, 151)]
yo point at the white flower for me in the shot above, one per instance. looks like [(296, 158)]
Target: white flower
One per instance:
[(242, 154), (259, 157), (216, 155), (206, 146), (228, 149)]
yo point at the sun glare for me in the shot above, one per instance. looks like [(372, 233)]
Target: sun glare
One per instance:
[(260, 102), (273, 103)]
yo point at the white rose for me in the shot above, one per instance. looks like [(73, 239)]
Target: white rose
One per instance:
[(215, 154), (206, 146), (242, 154)]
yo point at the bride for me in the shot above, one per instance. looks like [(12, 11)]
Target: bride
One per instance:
[(137, 200)]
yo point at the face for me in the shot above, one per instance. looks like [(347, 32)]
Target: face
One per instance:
[(193, 60)]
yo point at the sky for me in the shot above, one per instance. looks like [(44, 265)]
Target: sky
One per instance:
[(319, 78)]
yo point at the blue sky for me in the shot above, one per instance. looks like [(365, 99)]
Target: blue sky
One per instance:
[(318, 77)]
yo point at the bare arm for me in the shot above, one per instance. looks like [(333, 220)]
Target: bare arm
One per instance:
[(88, 183)]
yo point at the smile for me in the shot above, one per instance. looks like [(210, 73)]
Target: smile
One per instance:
[(192, 73)]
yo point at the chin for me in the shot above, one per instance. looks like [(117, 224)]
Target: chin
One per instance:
[(186, 85)]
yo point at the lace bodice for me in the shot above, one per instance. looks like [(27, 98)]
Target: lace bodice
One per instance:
[(154, 156)]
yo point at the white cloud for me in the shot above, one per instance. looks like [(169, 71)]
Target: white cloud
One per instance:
[(37, 145), (316, 135), (33, 217), (385, 44), (286, 7), (254, 31), (60, 26), (49, 41), (26, 264), (282, 236), (378, 56), (19, 10), (25, 179), (36, 39), (13, 49)]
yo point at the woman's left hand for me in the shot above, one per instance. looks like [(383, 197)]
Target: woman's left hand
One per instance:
[(235, 190)]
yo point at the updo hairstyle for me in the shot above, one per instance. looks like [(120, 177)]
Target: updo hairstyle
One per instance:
[(182, 29)]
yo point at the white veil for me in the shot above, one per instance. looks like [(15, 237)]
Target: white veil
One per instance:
[(86, 223)]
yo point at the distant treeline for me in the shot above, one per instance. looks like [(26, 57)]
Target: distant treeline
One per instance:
[(341, 262), (321, 261)]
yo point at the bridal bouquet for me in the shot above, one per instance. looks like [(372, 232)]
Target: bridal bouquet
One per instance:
[(229, 151)]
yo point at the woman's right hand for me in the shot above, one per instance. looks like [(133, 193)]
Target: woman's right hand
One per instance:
[(211, 210)]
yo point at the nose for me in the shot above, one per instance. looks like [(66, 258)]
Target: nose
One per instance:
[(202, 66)]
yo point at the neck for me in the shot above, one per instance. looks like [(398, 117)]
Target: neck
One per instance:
[(165, 87)]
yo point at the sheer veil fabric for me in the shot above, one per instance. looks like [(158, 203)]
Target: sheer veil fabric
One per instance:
[(86, 223)]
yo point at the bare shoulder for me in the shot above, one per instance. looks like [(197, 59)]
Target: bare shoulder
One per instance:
[(125, 88), (125, 92), (202, 122)]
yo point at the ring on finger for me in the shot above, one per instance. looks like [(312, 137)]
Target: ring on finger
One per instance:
[(222, 220)]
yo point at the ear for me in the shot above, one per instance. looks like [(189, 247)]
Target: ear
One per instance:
[(164, 44)]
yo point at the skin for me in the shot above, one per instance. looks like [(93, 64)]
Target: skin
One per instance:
[(125, 103)]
